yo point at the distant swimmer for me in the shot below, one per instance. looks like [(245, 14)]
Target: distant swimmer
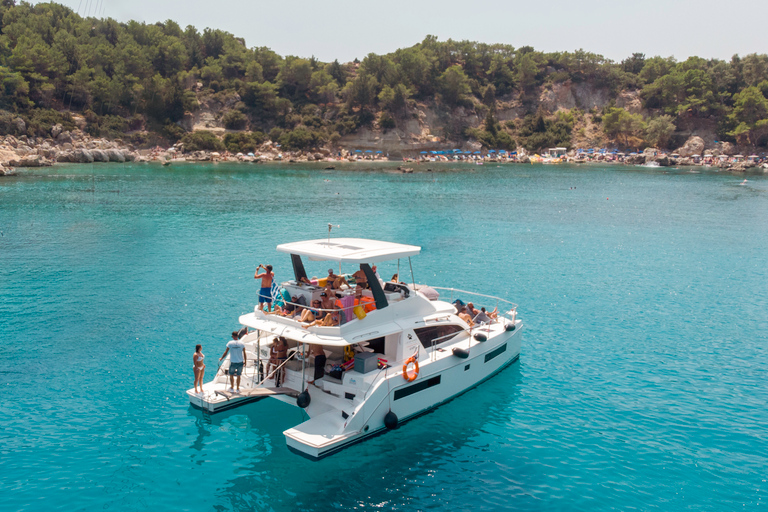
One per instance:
[(743, 182)]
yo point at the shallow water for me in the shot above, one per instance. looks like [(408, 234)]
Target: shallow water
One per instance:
[(641, 383)]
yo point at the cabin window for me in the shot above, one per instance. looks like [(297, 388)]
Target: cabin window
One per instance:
[(434, 335), (375, 345)]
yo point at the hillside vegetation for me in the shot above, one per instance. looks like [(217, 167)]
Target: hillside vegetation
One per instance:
[(158, 82)]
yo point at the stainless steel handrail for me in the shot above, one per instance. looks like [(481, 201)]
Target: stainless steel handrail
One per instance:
[(498, 299), (511, 314)]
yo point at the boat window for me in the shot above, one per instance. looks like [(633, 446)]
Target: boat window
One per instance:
[(436, 334), (375, 345)]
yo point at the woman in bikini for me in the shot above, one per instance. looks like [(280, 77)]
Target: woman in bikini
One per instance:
[(198, 366)]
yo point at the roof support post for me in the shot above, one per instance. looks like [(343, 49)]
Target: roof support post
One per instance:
[(373, 282), (298, 268)]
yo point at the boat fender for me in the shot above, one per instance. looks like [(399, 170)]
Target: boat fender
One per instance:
[(390, 420), (410, 376), (510, 327), (303, 399), (460, 353), (480, 336)]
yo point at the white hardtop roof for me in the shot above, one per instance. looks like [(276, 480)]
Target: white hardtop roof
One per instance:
[(349, 250)]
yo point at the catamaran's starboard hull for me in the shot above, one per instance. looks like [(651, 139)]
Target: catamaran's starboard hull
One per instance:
[(408, 399)]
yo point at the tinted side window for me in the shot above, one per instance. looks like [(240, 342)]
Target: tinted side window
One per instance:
[(436, 334)]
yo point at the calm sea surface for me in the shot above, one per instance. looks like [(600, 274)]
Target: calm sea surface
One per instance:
[(642, 383)]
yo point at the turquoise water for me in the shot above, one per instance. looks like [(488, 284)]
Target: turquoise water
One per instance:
[(641, 383)]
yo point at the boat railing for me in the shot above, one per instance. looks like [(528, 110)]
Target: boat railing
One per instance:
[(503, 306)]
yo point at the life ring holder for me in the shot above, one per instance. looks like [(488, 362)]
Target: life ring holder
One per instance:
[(408, 375)]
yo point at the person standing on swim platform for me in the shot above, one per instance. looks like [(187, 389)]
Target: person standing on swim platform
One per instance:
[(237, 360), (265, 293)]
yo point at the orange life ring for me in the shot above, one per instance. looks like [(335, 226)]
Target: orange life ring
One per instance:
[(411, 376)]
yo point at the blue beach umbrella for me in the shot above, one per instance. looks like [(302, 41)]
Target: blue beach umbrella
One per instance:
[(502, 151), (358, 151), (492, 151), (378, 152), (513, 153), (477, 152), (423, 152), (368, 151)]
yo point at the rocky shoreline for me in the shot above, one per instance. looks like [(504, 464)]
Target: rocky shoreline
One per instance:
[(78, 147)]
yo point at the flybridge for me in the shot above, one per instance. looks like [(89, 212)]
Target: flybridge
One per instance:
[(349, 250)]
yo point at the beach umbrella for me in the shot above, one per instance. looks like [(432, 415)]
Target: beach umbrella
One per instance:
[(251, 154), (423, 152), (502, 151), (477, 152), (492, 151), (513, 153), (358, 151), (368, 151), (378, 152)]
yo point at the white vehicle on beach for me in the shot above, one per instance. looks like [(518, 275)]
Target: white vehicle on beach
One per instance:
[(397, 350)]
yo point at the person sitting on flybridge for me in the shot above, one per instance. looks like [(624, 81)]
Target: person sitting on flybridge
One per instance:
[(335, 282), (361, 282), (330, 320)]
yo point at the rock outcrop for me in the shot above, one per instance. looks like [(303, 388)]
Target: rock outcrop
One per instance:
[(115, 155), (693, 146)]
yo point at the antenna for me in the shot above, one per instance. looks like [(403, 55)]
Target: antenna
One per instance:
[(329, 230)]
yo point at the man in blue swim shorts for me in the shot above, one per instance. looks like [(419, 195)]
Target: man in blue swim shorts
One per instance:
[(265, 293)]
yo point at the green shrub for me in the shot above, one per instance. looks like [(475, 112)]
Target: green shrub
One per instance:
[(243, 142), (275, 134), (202, 140), (234, 120), (141, 139), (386, 122), (40, 122), (173, 132), (301, 138)]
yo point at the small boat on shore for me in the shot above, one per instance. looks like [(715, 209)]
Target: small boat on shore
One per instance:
[(387, 352)]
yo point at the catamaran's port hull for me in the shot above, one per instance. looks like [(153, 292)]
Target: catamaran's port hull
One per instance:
[(502, 352)]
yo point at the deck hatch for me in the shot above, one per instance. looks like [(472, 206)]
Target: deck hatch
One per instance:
[(420, 386), (495, 352)]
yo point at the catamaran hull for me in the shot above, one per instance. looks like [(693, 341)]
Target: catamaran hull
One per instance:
[(407, 400)]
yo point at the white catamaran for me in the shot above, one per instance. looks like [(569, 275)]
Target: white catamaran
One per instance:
[(392, 350)]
